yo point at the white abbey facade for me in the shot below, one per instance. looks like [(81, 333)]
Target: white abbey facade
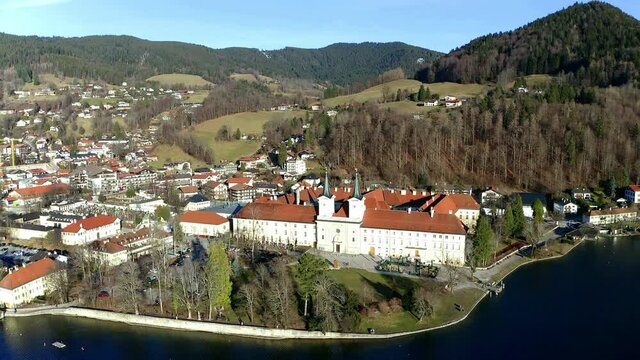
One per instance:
[(352, 228)]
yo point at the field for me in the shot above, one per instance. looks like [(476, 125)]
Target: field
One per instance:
[(169, 153), (197, 97), (185, 79), (248, 122), (267, 81), (408, 107), (46, 79), (250, 78), (375, 93), (536, 80)]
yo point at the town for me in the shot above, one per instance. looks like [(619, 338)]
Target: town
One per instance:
[(103, 222)]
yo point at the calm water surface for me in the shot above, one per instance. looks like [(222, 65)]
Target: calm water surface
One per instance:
[(585, 306)]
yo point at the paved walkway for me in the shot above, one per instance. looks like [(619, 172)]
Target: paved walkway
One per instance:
[(364, 262)]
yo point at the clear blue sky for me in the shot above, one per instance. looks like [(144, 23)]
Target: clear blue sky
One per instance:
[(434, 24)]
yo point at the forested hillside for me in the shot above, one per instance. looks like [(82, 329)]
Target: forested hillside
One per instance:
[(564, 138), (596, 42), (119, 58)]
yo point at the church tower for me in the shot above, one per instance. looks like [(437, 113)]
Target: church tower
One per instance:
[(326, 202), (356, 201)]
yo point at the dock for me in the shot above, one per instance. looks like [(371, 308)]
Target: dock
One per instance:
[(495, 288)]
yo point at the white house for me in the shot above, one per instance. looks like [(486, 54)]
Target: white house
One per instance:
[(203, 223), (565, 207), (90, 229), (610, 216), (295, 166), (632, 194), (581, 193), (26, 283), (489, 195), (197, 202)]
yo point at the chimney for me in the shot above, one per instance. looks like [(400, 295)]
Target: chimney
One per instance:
[(403, 192), (24, 265), (431, 211), (10, 271), (414, 192), (298, 196), (409, 210)]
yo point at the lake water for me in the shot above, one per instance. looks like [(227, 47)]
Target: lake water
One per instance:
[(584, 306)]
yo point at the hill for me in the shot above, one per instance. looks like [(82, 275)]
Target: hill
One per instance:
[(247, 122), (184, 79), (124, 58), (376, 93), (596, 42)]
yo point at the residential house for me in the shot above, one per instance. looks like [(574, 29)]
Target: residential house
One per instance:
[(581, 194), (632, 194), (197, 202), (295, 166), (610, 216), (203, 223), (490, 196), (565, 207), (90, 229), (119, 249), (216, 190), (36, 195), (242, 193), (527, 202), (187, 191)]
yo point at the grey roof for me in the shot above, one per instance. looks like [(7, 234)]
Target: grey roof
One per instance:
[(198, 198), (530, 198)]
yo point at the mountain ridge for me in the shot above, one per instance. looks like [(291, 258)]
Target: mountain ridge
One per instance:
[(595, 41), (116, 58)]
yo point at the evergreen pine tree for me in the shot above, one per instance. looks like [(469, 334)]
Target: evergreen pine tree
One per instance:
[(422, 94), (509, 222), (519, 221), (483, 242)]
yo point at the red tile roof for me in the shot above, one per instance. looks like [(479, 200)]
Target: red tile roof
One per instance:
[(90, 223), (188, 189), (243, 180), (274, 211), (29, 273), (635, 188), (39, 191), (203, 217), (414, 221)]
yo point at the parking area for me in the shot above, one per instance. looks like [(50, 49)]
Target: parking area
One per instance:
[(15, 255)]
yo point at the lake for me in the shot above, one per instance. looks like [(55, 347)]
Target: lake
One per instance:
[(582, 306)]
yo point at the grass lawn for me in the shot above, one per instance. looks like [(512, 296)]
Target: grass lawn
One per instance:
[(185, 79), (380, 287), (409, 107), (375, 93), (444, 313), (247, 122), (168, 153), (197, 97)]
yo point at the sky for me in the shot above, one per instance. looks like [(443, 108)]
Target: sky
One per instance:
[(273, 24)]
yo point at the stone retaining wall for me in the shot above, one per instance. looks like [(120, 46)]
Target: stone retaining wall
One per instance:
[(215, 328)]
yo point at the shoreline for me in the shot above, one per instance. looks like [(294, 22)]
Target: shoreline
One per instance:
[(247, 331)]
